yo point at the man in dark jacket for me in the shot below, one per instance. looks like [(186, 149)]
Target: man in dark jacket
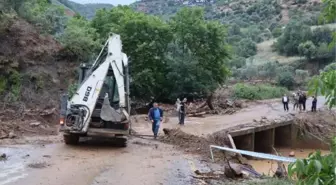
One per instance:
[(182, 111), (304, 99), (313, 109), (300, 101), (155, 116)]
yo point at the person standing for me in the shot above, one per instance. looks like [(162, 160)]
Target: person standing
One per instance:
[(300, 101), (304, 99), (182, 111), (285, 102), (155, 116), (313, 109), (178, 105), (296, 101)]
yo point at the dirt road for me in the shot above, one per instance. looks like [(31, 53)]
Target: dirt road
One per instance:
[(211, 124), (143, 162)]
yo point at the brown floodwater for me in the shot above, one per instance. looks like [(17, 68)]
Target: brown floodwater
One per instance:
[(268, 167)]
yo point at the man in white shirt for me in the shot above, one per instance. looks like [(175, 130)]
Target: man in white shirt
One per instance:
[(285, 102)]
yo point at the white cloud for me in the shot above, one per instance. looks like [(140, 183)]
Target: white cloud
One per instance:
[(114, 2)]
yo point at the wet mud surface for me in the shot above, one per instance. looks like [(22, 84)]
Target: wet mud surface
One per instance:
[(144, 162)]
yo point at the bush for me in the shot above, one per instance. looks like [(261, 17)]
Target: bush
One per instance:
[(301, 75), (237, 62), (316, 169), (246, 48), (289, 41), (277, 32), (286, 79), (329, 67), (307, 49), (258, 92)]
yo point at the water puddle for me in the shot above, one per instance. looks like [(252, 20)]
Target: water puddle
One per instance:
[(13, 168), (268, 167)]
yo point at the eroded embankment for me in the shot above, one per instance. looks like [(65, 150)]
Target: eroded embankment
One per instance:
[(308, 128)]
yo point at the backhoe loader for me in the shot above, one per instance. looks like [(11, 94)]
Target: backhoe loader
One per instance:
[(101, 106)]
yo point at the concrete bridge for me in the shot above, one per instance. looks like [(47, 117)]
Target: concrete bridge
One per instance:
[(280, 134)]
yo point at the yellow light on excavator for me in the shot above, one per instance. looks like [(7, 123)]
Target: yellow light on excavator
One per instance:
[(61, 121)]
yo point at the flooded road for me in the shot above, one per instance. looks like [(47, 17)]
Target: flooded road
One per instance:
[(269, 167), (142, 162)]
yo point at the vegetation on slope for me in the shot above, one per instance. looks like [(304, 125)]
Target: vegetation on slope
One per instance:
[(86, 10)]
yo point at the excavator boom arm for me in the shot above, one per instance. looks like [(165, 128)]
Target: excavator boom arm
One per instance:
[(89, 91)]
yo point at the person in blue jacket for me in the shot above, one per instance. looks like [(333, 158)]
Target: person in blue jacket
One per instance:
[(155, 116)]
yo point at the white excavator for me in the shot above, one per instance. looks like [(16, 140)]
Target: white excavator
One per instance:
[(101, 105)]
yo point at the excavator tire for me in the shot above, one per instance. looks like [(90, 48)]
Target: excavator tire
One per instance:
[(70, 139), (121, 142)]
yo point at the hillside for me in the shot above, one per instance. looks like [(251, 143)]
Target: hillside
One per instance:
[(32, 70), (86, 10), (229, 11)]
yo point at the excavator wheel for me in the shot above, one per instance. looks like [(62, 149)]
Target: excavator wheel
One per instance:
[(70, 139), (121, 142)]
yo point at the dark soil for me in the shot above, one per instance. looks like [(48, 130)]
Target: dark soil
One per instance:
[(43, 73)]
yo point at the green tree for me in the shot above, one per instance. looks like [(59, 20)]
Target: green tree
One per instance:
[(238, 62), (286, 79), (204, 40), (79, 39), (307, 49), (324, 84), (329, 67), (246, 48), (145, 40), (289, 41), (301, 75)]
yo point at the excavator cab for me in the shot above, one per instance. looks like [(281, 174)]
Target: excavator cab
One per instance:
[(100, 107)]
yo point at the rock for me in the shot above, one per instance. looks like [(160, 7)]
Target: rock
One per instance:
[(245, 174), (3, 156), (292, 154), (236, 168), (35, 124), (11, 135)]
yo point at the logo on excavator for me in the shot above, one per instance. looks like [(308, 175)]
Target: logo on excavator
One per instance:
[(87, 93)]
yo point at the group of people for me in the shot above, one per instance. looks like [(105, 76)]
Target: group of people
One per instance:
[(299, 101), (155, 115)]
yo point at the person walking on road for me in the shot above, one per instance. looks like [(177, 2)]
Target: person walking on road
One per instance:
[(155, 116), (285, 102), (313, 109), (182, 111)]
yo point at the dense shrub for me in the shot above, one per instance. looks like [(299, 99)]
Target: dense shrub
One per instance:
[(258, 92), (329, 67), (286, 79), (277, 32), (291, 38), (301, 75), (246, 48)]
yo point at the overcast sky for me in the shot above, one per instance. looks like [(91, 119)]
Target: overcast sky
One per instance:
[(114, 2)]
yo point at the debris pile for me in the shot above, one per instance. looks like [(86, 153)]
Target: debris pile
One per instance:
[(217, 103), (321, 124), (190, 143)]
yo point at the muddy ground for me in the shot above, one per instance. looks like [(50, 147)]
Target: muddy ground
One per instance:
[(173, 159)]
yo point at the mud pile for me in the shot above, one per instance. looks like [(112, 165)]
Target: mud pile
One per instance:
[(320, 124), (194, 144)]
